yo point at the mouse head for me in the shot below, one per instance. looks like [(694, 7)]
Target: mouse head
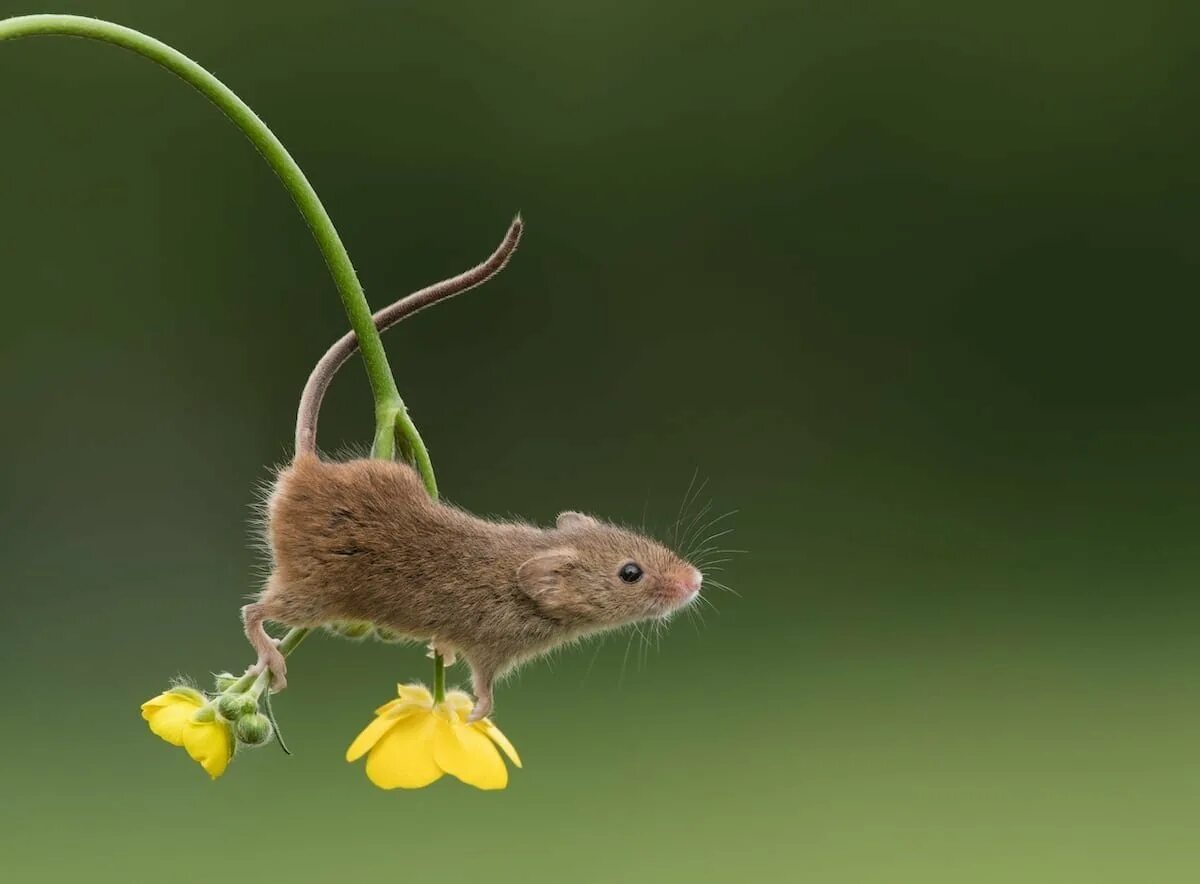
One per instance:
[(600, 575)]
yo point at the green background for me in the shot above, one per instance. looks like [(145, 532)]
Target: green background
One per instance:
[(912, 284)]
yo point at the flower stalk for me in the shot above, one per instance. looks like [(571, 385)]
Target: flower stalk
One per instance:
[(394, 427), (439, 678), (390, 412)]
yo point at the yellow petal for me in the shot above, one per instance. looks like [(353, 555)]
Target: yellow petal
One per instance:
[(467, 754), (210, 744), (165, 699), (460, 703), (416, 693), (374, 731), (497, 737), (154, 704), (170, 722), (403, 757), (390, 705)]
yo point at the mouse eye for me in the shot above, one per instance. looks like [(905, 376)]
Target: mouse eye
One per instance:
[(630, 572)]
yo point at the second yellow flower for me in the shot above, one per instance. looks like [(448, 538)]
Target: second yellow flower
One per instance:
[(412, 742)]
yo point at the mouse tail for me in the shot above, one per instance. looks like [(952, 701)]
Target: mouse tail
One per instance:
[(335, 357)]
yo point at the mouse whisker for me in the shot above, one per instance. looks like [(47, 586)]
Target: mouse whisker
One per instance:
[(715, 520), (625, 659), (644, 649), (682, 505), (693, 521), (688, 502), (707, 525), (716, 535), (719, 551), (721, 586), (706, 565), (710, 547), (595, 655)]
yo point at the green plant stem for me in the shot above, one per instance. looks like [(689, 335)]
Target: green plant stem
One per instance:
[(391, 415), (384, 444), (388, 403), (415, 450), (439, 678)]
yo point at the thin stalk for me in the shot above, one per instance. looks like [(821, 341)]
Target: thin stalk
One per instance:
[(439, 679), (383, 385), (415, 449), (384, 445), (391, 415)]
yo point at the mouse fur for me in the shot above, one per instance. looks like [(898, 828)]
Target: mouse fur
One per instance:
[(363, 541)]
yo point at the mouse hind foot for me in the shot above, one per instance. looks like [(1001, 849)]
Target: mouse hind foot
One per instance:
[(269, 657), (482, 678)]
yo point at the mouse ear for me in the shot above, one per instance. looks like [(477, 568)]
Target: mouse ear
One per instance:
[(541, 577), (572, 519)]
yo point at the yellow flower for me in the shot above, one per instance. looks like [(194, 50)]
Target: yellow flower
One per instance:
[(172, 716), (412, 742)]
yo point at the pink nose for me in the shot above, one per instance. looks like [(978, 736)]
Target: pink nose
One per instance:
[(693, 580)]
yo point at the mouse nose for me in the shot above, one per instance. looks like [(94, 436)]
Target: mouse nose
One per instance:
[(682, 585)]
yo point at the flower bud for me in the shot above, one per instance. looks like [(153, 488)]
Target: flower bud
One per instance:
[(224, 681), (204, 713), (234, 706), (351, 629), (253, 730)]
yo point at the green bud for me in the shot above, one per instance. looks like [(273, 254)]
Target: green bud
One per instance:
[(204, 713), (234, 706), (253, 730), (224, 681), (352, 629)]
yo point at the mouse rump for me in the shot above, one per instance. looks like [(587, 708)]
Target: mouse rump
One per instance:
[(346, 542)]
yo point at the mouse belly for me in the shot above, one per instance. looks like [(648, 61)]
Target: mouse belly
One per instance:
[(319, 600)]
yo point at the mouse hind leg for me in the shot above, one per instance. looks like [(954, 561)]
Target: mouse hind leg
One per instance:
[(280, 602), (484, 670), (254, 616)]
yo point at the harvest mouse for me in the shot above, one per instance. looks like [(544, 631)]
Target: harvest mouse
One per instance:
[(362, 540)]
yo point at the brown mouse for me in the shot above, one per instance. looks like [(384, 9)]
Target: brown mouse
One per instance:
[(364, 541)]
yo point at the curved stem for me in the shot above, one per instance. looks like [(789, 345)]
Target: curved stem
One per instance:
[(383, 385), (416, 450), (384, 444), (391, 416)]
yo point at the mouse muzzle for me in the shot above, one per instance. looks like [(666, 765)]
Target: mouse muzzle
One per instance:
[(682, 586)]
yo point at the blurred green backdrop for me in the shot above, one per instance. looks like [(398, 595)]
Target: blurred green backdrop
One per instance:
[(912, 284)]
